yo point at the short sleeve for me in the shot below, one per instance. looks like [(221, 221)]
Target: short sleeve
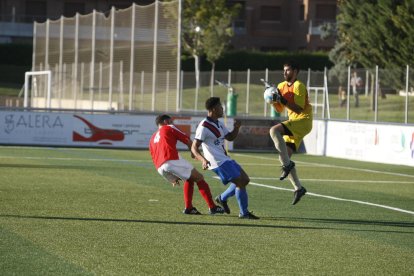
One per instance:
[(300, 94), (200, 133)]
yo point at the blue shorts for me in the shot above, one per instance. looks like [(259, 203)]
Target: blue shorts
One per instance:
[(228, 171)]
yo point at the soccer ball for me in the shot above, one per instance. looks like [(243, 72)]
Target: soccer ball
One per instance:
[(268, 94)]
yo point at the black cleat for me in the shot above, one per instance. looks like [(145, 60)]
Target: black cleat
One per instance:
[(298, 195), (191, 211), (249, 215), (223, 203), (286, 170), (216, 210)]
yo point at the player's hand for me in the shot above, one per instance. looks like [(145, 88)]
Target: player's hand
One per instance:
[(277, 97), (206, 164), (237, 123), (176, 183)]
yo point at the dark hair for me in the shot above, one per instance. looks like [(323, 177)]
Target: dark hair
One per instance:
[(292, 64), (212, 102), (161, 118)]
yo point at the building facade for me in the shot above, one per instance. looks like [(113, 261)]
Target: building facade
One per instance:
[(264, 25)]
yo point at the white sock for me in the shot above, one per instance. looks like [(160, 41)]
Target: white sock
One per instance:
[(280, 145), (294, 179)]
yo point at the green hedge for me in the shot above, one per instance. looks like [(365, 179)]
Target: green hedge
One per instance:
[(15, 59), (16, 54), (255, 60)]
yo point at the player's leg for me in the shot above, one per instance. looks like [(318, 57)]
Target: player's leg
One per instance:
[(182, 169), (228, 171), (241, 194), (203, 188), (276, 133), (293, 176), (229, 192), (188, 191)]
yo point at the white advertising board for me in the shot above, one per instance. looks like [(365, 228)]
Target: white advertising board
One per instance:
[(390, 144), (315, 141), (85, 130)]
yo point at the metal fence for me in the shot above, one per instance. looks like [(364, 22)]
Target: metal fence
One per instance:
[(380, 98)]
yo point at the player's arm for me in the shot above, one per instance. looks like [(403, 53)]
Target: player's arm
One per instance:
[(197, 154), (184, 138), (233, 134), (189, 144), (294, 107)]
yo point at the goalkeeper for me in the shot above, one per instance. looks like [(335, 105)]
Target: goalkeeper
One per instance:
[(288, 135)]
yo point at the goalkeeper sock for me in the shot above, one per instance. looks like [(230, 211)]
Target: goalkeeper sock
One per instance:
[(294, 179), (188, 194), (280, 145), (242, 200), (205, 192), (229, 192)]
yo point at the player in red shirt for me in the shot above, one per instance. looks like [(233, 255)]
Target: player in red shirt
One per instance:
[(173, 168)]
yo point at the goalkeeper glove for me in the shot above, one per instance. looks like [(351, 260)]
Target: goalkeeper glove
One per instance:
[(277, 97)]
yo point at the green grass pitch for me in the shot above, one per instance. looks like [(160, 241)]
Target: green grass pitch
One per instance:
[(107, 212)]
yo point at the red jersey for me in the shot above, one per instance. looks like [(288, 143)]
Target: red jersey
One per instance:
[(163, 144)]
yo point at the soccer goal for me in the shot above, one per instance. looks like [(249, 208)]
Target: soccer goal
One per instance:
[(39, 88)]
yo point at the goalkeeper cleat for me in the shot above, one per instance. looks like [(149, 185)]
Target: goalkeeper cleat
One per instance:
[(223, 203), (191, 211), (216, 210), (249, 215), (286, 170), (298, 195)]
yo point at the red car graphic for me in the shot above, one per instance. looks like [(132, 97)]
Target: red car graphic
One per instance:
[(98, 134)]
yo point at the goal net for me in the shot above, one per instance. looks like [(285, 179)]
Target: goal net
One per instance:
[(125, 59)]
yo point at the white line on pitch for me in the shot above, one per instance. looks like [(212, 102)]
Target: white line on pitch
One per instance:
[(337, 198), (338, 180), (74, 159), (332, 166)]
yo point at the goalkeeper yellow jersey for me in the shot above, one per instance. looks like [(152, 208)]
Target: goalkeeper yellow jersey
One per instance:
[(298, 124), (298, 94)]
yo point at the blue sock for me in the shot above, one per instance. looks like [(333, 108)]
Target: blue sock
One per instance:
[(243, 200), (231, 190)]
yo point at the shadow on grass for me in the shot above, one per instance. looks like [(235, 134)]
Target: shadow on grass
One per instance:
[(258, 225), (348, 221)]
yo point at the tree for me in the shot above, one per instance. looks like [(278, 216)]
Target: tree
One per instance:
[(375, 32), (206, 29)]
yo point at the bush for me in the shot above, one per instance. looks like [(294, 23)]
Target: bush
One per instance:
[(16, 54)]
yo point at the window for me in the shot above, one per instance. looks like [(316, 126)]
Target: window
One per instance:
[(36, 11), (325, 12), (71, 8), (239, 23), (270, 13)]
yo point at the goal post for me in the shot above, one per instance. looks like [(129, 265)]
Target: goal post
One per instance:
[(32, 74)]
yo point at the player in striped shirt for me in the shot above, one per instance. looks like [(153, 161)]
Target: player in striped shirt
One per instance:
[(210, 134), (173, 168)]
